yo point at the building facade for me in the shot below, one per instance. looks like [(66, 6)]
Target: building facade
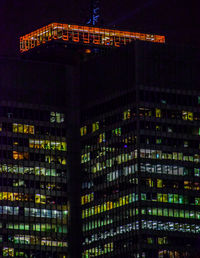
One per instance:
[(99, 146), (34, 208), (140, 157), (34, 170)]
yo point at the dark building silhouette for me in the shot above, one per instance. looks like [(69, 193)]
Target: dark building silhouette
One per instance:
[(99, 146)]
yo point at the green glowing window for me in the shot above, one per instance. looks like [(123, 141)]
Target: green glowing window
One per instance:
[(143, 197), (171, 214), (176, 199), (117, 132), (192, 215), (182, 215), (155, 211), (176, 213), (159, 212), (149, 240), (196, 171), (158, 141), (165, 212), (170, 198), (181, 200), (187, 214), (197, 201), (143, 211)]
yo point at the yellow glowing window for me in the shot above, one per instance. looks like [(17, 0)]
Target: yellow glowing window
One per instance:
[(95, 126), (127, 114), (158, 112), (82, 200), (20, 155), (8, 251), (159, 197), (62, 161), (56, 117), (83, 130), (102, 137), (159, 183), (85, 157), (149, 182), (40, 198), (158, 127), (187, 115), (13, 196), (47, 144), (20, 128)]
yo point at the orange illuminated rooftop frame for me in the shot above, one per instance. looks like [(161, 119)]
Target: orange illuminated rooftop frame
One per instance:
[(83, 35)]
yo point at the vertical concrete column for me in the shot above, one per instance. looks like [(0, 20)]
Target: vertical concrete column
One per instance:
[(73, 159)]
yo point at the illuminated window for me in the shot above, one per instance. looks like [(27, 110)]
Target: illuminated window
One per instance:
[(158, 141), (20, 128), (20, 155), (7, 251), (149, 182), (127, 114), (95, 126), (102, 137), (150, 240), (85, 157), (56, 117), (158, 127), (197, 201), (117, 132), (197, 172), (83, 130), (158, 112), (47, 144), (159, 183), (40, 198), (162, 240), (186, 115)]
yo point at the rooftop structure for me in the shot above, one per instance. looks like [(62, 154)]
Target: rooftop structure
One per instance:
[(83, 35)]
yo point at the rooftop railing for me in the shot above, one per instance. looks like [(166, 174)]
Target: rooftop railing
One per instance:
[(83, 35)]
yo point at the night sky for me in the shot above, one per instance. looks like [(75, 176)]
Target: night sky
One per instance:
[(177, 20)]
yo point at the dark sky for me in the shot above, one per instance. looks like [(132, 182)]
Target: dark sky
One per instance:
[(177, 20)]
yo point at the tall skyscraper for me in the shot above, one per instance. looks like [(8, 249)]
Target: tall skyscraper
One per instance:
[(100, 146), (140, 154)]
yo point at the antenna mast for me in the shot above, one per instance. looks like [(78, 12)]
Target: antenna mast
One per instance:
[(94, 13)]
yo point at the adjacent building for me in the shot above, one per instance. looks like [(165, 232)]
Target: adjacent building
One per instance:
[(140, 154)]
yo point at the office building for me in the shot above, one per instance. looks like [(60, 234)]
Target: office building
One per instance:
[(34, 183), (104, 127), (140, 154)]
